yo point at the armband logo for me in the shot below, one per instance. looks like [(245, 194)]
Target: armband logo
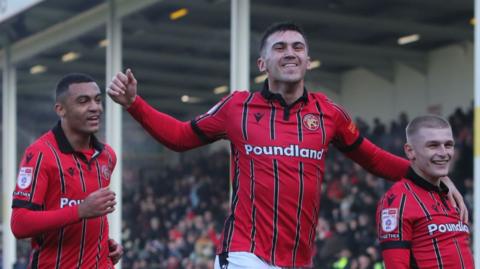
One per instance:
[(24, 177), (389, 219)]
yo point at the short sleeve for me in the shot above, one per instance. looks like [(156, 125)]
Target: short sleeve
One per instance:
[(210, 126), (32, 180)]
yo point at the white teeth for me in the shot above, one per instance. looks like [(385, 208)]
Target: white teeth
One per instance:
[(290, 65)]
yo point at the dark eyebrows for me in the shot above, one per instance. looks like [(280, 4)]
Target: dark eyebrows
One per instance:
[(299, 43), (279, 43), (88, 96)]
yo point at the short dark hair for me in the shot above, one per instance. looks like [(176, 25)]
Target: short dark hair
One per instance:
[(427, 121), (280, 27), (69, 79)]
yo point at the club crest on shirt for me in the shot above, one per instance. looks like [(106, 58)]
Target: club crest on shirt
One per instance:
[(311, 122), (389, 219), (106, 172), (24, 177)]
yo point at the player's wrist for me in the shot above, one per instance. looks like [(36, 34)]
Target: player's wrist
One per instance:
[(81, 212), (130, 102)]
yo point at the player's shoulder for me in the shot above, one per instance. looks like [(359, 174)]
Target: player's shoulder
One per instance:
[(324, 100), (40, 151), (42, 143), (399, 191), (318, 96), (399, 187), (241, 95), (108, 148)]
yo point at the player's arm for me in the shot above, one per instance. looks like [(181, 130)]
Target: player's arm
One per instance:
[(376, 160), (28, 220), (28, 223), (172, 133), (396, 258)]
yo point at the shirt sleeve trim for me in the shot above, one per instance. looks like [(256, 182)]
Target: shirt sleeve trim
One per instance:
[(395, 244), (26, 204), (203, 137), (353, 146)]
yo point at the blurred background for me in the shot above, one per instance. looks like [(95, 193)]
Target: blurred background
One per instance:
[(384, 61)]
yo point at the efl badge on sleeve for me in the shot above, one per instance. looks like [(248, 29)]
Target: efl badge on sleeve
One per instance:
[(389, 219), (24, 177), (311, 122)]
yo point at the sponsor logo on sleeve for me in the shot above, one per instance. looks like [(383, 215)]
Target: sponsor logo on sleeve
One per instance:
[(24, 177), (389, 219)]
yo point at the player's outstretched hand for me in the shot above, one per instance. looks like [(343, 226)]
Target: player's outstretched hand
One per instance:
[(98, 203), (456, 198), (123, 88)]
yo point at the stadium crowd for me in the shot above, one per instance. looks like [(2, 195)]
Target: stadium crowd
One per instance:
[(173, 217)]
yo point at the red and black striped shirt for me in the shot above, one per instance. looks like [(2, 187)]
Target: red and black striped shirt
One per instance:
[(54, 178), (277, 165), (419, 228)]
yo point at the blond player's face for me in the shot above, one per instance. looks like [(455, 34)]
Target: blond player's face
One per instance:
[(431, 151)]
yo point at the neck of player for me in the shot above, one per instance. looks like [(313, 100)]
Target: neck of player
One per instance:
[(79, 141), (432, 179), (290, 91)]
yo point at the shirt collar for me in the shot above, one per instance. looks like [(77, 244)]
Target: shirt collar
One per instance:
[(267, 94), (423, 183), (65, 146)]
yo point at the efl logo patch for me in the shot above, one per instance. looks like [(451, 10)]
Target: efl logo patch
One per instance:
[(311, 122), (24, 177), (389, 219), (106, 172)]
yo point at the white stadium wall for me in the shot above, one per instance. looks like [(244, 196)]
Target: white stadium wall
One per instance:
[(447, 84)]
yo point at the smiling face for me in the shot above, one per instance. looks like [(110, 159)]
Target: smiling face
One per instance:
[(284, 57), (80, 108), (430, 151)]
